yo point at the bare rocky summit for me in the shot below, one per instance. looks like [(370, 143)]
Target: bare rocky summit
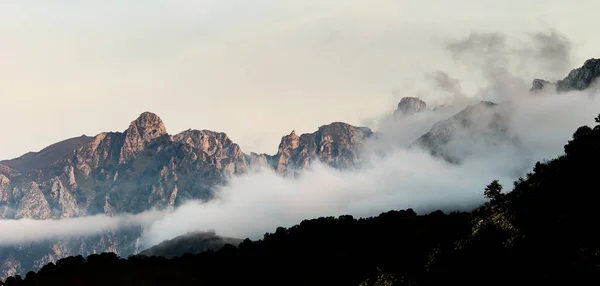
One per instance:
[(336, 144), (408, 106), (147, 127), (578, 79)]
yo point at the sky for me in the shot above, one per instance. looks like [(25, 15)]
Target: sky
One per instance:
[(253, 69)]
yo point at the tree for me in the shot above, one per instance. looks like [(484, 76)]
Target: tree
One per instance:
[(493, 191), (597, 119)]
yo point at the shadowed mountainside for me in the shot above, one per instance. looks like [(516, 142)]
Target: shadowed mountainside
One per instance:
[(191, 243), (46, 157)]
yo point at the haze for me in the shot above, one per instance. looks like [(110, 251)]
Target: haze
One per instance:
[(253, 69)]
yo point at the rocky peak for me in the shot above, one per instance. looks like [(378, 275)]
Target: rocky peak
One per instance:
[(581, 78), (147, 127), (538, 84), (215, 148), (209, 142), (4, 191), (578, 79), (408, 106), (290, 141), (33, 204), (335, 144)]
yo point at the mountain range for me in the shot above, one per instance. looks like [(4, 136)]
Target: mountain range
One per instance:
[(541, 232), (144, 167)]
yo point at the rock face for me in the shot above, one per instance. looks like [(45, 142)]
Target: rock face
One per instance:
[(581, 78), (578, 79), (4, 189), (408, 106), (33, 204), (141, 131), (539, 85), (336, 145), (5, 196), (215, 148)]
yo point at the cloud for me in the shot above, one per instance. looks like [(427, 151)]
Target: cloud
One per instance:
[(553, 50), (262, 200), (30, 230), (400, 178), (507, 65), (444, 82)]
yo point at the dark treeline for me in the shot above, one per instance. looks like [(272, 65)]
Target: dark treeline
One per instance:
[(543, 231), (324, 251)]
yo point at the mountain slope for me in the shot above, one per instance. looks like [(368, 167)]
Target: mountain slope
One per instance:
[(191, 243), (578, 79), (481, 125), (47, 156), (409, 106)]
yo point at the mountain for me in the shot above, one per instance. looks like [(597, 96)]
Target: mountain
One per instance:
[(578, 79), (191, 243), (133, 171), (45, 158), (539, 233), (337, 145), (140, 169), (408, 106), (484, 123)]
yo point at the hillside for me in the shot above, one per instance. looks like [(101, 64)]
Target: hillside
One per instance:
[(191, 243), (541, 232)]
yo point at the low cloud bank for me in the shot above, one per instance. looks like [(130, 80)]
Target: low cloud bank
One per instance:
[(29, 230)]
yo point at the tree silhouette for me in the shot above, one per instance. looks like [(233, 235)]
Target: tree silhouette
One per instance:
[(493, 191)]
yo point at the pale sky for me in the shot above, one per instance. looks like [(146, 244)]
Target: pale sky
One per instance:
[(253, 69)]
